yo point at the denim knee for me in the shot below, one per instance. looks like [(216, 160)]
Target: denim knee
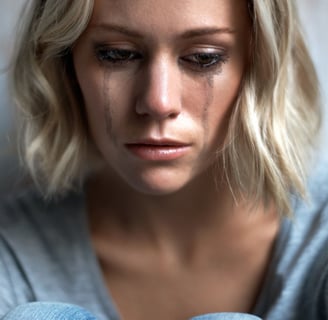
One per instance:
[(226, 316), (48, 311)]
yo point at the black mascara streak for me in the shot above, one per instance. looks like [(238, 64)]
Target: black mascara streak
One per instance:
[(209, 99), (107, 104)]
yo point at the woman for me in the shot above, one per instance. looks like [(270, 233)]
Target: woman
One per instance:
[(188, 126)]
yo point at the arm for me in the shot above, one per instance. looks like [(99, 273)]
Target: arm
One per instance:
[(14, 288), (7, 295)]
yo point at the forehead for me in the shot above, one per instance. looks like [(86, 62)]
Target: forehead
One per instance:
[(172, 15)]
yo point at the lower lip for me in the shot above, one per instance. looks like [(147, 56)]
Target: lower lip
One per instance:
[(157, 152)]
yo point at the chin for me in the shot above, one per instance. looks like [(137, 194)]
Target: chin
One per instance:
[(157, 184)]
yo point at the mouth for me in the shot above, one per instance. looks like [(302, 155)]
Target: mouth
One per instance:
[(158, 150)]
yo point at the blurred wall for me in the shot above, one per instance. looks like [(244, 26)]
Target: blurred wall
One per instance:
[(313, 14), (9, 13), (315, 24), (9, 175)]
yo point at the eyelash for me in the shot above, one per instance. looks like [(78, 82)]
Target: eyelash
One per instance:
[(119, 57), (210, 60)]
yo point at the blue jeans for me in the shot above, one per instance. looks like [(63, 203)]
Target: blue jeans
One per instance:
[(226, 316), (48, 311), (64, 311)]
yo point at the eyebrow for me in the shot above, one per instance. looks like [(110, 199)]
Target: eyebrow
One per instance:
[(117, 28), (192, 33), (206, 31)]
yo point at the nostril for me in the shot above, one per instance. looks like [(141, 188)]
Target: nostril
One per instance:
[(159, 107), (157, 113)]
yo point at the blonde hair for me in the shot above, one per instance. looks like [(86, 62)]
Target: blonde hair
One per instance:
[(271, 128), (53, 136), (277, 116)]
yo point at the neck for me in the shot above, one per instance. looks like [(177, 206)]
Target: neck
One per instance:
[(184, 223)]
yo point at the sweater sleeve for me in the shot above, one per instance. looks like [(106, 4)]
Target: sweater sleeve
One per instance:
[(13, 288), (7, 295), (322, 307)]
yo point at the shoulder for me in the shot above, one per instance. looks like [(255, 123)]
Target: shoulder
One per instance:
[(28, 215), (313, 215), (318, 182), (14, 210), (36, 237), (302, 251), (32, 225), (309, 228), (31, 207), (297, 280)]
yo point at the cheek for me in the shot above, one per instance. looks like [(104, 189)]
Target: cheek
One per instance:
[(104, 106), (222, 93), (197, 96), (96, 94), (103, 100), (96, 91)]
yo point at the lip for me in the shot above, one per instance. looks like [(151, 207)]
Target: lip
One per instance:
[(158, 150)]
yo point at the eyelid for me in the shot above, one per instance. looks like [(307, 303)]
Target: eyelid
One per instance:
[(106, 54), (216, 59), (205, 48), (197, 58)]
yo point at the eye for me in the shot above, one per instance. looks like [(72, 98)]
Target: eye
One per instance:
[(116, 56), (205, 60)]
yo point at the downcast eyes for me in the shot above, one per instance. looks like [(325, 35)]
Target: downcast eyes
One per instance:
[(122, 57), (205, 60), (117, 55)]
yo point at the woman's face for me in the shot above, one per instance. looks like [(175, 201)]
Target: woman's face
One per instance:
[(159, 80)]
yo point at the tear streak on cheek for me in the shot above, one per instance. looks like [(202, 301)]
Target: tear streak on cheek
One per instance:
[(208, 89), (107, 105)]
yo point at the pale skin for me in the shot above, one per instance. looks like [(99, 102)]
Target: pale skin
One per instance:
[(159, 80)]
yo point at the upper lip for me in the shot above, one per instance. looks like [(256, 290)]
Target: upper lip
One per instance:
[(159, 142)]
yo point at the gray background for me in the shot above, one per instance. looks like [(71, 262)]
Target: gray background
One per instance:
[(315, 21)]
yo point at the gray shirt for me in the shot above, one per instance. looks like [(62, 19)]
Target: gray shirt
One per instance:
[(46, 255)]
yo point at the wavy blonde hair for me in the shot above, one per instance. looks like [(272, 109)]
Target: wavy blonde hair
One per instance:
[(272, 127)]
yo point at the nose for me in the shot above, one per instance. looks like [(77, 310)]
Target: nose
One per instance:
[(160, 90)]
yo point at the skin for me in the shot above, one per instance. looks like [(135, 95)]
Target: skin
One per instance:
[(167, 81), (160, 95)]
